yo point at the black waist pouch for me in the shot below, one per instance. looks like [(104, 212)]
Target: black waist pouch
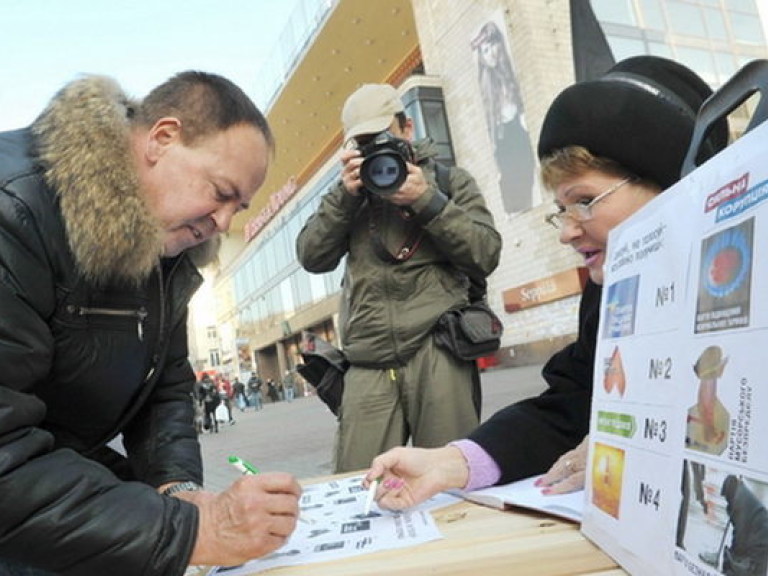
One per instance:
[(324, 367), (471, 332)]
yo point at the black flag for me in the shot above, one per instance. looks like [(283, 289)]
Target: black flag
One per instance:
[(592, 56)]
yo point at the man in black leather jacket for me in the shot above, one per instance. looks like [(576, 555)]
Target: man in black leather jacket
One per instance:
[(107, 206)]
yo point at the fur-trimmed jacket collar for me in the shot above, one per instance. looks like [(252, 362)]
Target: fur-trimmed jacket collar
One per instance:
[(83, 141)]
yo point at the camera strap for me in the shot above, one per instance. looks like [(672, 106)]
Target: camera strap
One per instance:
[(478, 285), (411, 243), (407, 249)]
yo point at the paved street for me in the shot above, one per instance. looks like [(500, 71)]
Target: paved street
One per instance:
[(297, 437)]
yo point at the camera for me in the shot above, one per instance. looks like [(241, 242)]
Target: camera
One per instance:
[(384, 167)]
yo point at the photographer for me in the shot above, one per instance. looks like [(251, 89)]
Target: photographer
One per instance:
[(411, 249)]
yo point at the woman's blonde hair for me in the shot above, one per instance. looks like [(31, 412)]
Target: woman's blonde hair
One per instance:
[(573, 161)]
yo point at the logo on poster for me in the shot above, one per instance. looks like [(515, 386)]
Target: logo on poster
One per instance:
[(735, 198), (727, 193)]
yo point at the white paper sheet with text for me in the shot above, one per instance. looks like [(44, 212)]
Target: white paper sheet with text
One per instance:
[(333, 526)]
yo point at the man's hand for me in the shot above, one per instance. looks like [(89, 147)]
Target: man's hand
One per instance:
[(350, 171), (413, 188), (410, 476), (253, 517), (568, 473)]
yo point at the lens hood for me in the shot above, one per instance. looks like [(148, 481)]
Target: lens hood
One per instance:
[(384, 167)]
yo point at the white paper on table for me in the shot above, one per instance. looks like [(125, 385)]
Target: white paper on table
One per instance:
[(332, 526), (525, 494)]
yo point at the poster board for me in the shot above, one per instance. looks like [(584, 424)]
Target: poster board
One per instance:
[(677, 479)]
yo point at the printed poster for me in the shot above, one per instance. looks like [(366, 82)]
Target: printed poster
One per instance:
[(677, 479)]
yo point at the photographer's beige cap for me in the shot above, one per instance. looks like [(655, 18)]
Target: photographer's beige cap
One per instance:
[(370, 109)]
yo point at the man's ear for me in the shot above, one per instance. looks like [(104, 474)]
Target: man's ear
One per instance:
[(408, 130), (164, 133)]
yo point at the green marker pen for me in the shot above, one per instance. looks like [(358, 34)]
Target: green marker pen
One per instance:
[(243, 466), (250, 469)]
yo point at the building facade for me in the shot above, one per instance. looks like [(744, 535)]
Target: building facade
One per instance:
[(477, 77)]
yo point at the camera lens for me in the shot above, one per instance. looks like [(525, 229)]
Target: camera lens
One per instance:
[(383, 172)]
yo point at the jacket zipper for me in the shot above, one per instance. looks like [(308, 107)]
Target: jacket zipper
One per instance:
[(140, 315)]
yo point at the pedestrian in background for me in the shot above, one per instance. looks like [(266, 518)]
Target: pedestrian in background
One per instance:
[(289, 386), (238, 389), (227, 395), (254, 391), (272, 391), (211, 401)]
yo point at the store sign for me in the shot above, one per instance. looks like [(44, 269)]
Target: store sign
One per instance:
[(545, 290), (274, 204)]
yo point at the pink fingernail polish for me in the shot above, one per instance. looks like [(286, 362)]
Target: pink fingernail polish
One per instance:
[(393, 484)]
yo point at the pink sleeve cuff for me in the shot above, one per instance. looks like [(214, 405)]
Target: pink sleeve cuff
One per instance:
[(483, 470)]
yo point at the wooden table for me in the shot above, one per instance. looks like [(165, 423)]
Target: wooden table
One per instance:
[(480, 541)]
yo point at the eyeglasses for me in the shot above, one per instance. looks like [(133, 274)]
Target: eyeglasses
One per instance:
[(582, 211)]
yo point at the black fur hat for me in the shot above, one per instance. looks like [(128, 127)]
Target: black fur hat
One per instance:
[(641, 114)]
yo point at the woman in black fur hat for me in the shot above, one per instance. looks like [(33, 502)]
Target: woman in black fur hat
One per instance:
[(607, 147)]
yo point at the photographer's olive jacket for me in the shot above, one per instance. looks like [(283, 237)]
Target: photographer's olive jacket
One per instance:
[(389, 309), (92, 343)]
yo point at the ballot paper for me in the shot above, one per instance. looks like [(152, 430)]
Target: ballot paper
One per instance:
[(333, 526)]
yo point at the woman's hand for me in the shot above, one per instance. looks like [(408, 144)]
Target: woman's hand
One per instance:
[(568, 473), (409, 476)]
